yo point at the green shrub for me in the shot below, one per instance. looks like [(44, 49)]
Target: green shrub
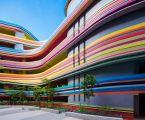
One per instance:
[(3, 102), (105, 108), (63, 109), (81, 109)]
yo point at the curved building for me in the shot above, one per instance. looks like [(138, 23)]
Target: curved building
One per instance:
[(104, 38)]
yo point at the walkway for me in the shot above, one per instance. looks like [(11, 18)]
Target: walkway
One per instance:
[(19, 114)]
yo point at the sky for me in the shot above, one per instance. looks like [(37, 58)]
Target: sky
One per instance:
[(40, 17)]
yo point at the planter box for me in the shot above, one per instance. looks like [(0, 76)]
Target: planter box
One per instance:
[(90, 117), (50, 110), (74, 107)]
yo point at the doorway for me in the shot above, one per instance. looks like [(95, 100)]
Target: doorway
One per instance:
[(139, 106), (142, 105)]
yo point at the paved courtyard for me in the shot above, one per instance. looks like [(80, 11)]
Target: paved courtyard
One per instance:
[(19, 114)]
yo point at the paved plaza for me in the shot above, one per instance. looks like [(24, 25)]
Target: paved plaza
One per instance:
[(15, 113)]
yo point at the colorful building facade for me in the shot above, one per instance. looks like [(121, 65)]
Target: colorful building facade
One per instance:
[(103, 38)]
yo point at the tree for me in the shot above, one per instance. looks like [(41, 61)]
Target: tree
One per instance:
[(13, 94), (87, 84), (50, 92), (17, 95), (37, 93), (30, 93), (21, 94)]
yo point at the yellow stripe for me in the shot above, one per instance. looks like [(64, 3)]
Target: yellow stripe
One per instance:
[(119, 48)]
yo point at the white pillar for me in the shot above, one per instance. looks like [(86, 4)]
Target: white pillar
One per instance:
[(19, 34), (19, 47)]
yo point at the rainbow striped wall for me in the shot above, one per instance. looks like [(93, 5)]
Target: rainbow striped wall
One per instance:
[(123, 43)]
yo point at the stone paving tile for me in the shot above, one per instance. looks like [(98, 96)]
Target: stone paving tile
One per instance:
[(70, 118), (47, 116), (19, 114), (22, 115), (51, 116), (7, 111)]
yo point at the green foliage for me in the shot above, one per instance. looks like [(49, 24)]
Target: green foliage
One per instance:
[(105, 108), (3, 102), (50, 104), (81, 109), (21, 94), (37, 93), (17, 95), (61, 110), (13, 95), (87, 84), (49, 92)]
